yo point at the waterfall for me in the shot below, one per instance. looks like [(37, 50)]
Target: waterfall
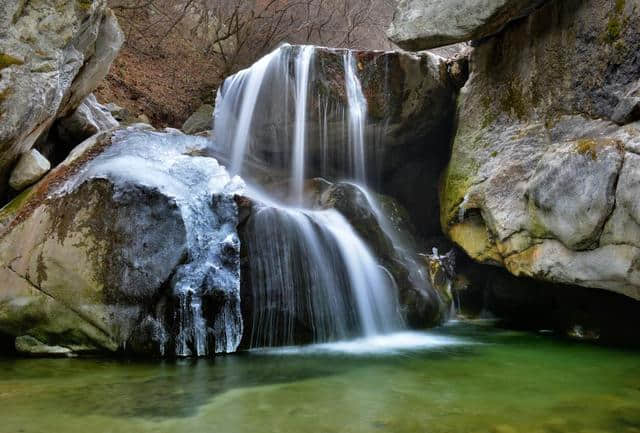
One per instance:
[(290, 111), (311, 275), (357, 115), (303, 64)]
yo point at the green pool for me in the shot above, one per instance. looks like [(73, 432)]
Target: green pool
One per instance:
[(459, 378)]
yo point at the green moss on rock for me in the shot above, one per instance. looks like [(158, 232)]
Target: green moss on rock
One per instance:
[(7, 60)]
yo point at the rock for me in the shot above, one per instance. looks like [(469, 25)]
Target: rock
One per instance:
[(390, 237), (541, 179), (52, 55), (31, 167), (89, 118), (199, 121), (628, 109), (113, 108), (28, 345), (91, 255), (424, 24), (143, 118), (524, 303)]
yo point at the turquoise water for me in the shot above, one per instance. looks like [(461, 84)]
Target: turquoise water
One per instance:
[(462, 378)]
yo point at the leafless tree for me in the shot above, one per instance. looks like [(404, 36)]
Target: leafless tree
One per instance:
[(237, 32)]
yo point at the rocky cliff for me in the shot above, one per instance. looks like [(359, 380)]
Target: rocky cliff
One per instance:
[(544, 163)]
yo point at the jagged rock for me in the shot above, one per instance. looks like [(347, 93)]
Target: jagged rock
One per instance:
[(628, 109), (30, 168), (541, 180), (52, 55), (89, 118), (199, 121), (424, 24), (89, 256)]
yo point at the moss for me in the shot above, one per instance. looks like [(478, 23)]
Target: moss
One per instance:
[(458, 178), (513, 101), (4, 94), (616, 24), (7, 60), (613, 30), (494, 154), (588, 147), (14, 205), (84, 5)]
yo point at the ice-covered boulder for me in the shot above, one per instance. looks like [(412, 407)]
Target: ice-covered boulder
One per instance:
[(130, 244)]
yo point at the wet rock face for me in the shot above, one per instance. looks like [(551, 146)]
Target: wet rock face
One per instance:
[(90, 255), (424, 24), (52, 55), (543, 168)]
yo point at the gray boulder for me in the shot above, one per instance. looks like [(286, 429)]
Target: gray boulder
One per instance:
[(424, 24), (543, 173), (30, 169), (199, 121), (89, 118), (52, 55)]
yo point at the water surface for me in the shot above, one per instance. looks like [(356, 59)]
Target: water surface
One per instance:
[(459, 378)]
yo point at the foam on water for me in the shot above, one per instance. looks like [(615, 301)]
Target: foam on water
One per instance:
[(389, 344)]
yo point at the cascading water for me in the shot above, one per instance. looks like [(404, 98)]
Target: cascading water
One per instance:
[(303, 65), (311, 275), (357, 115)]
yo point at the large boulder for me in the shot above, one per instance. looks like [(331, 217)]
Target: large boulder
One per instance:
[(544, 168), (96, 256), (424, 24), (52, 55)]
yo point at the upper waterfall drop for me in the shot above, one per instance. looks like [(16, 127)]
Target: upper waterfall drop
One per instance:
[(309, 108), (357, 105)]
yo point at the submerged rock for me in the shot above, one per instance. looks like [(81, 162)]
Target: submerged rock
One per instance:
[(30, 168), (52, 55), (28, 345), (104, 245), (541, 179), (424, 24)]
